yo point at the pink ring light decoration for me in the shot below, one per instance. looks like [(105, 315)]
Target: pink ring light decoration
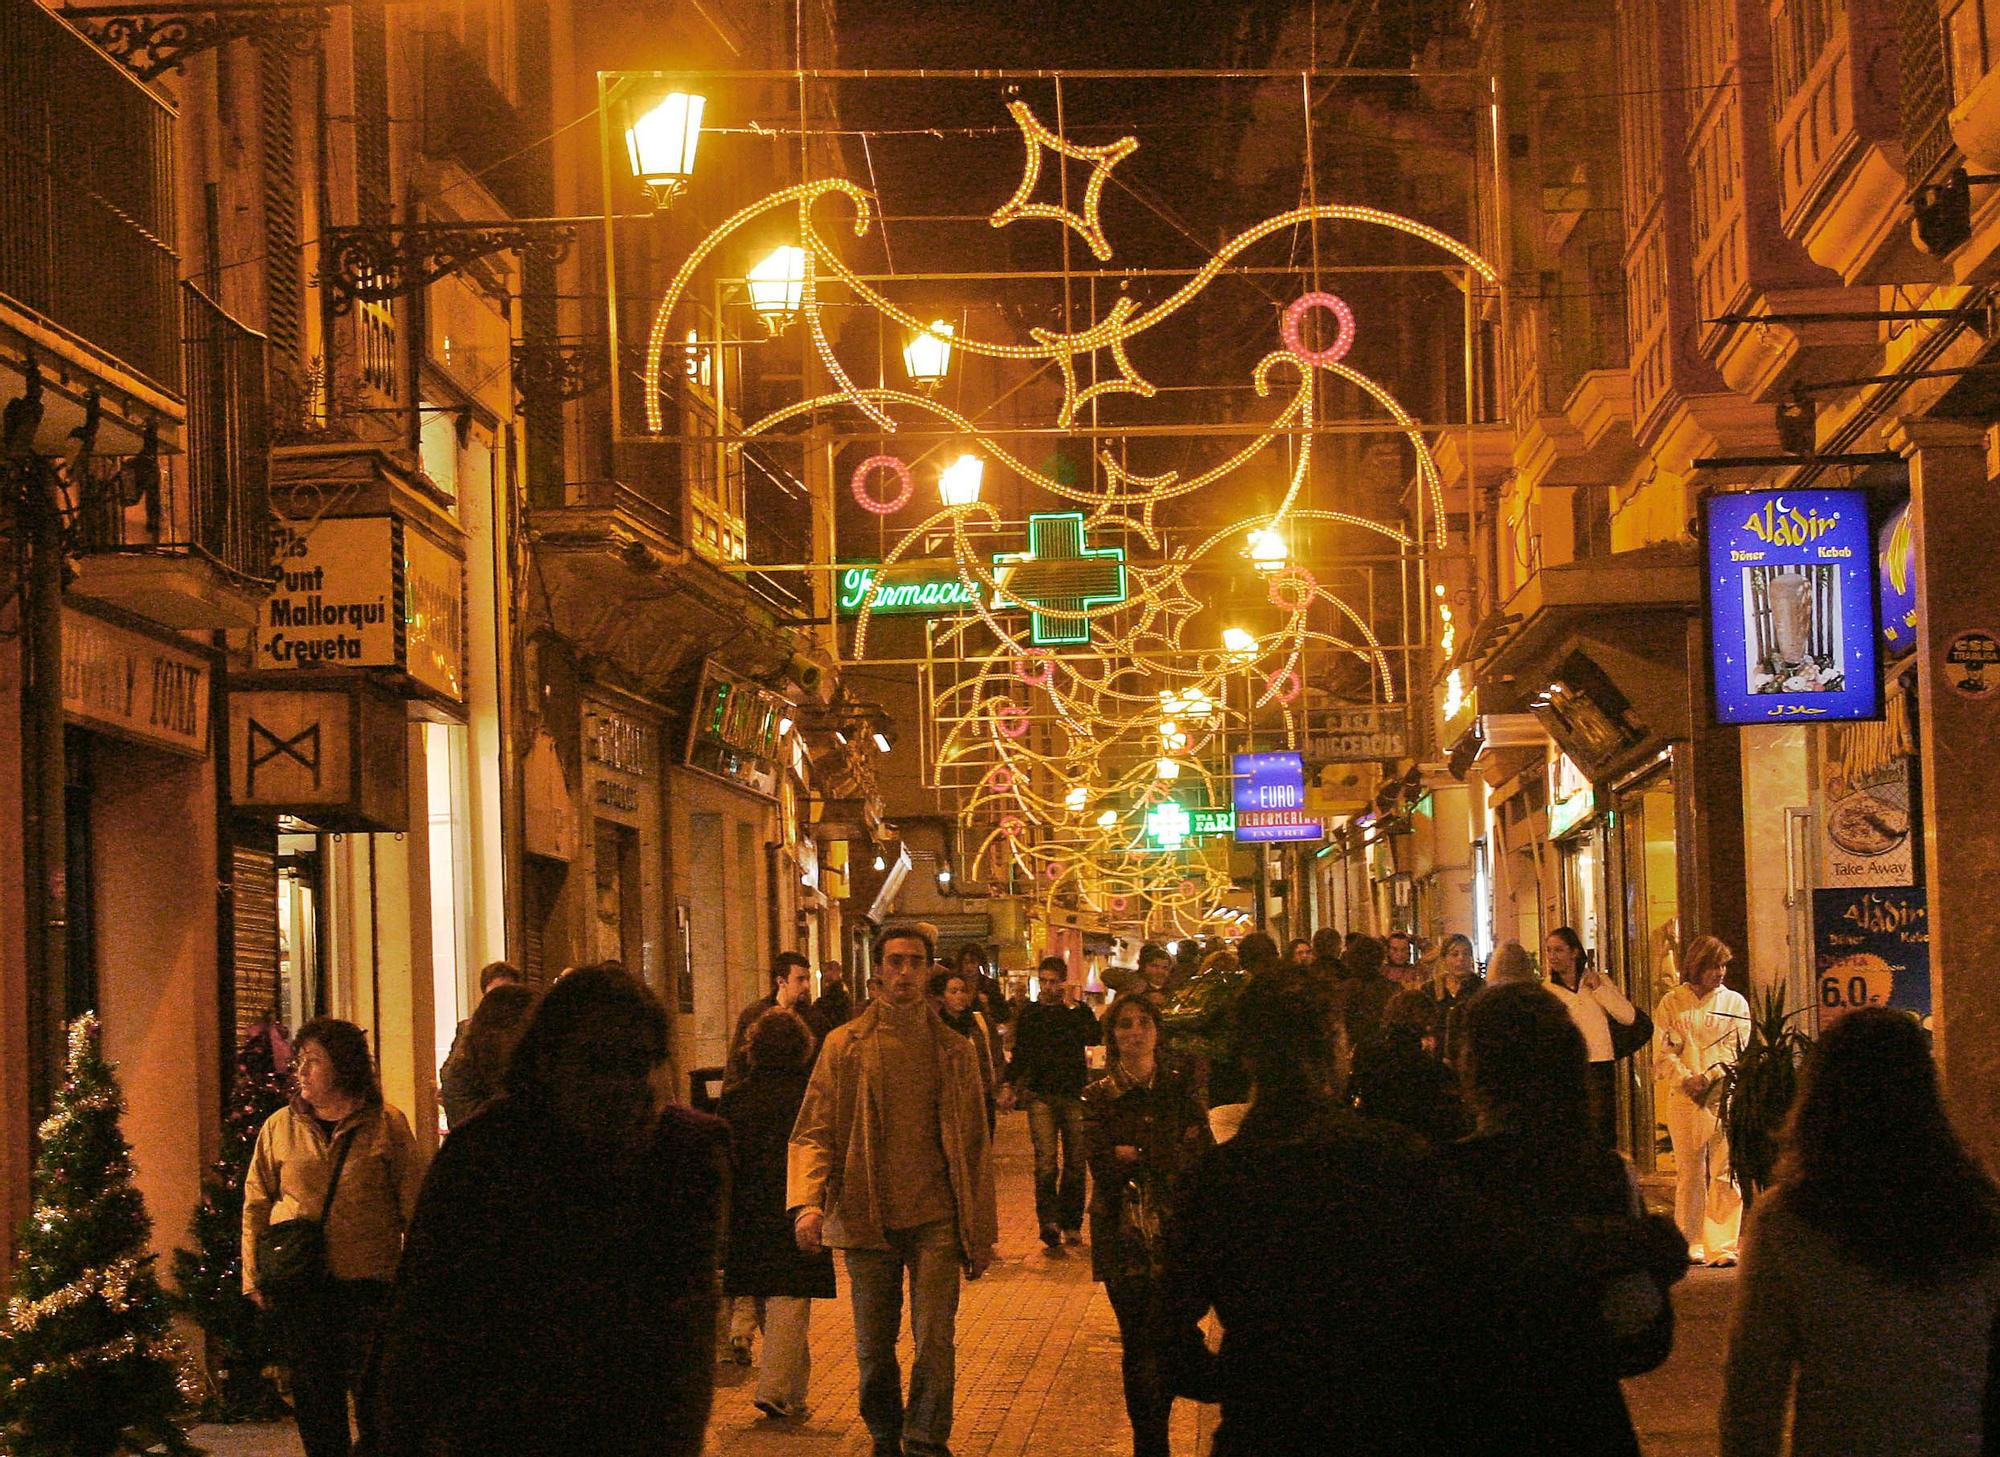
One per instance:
[(1292, 577), (1291, 685), (1012, 718), (1189, 889), (1036, 667), (858, 483), (1119, 905), (1012, 826), (1001, 779), (1053, 871), (1343, 340)]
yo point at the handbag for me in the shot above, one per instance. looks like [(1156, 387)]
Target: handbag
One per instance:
[(1629, 1037), (291, 1257)]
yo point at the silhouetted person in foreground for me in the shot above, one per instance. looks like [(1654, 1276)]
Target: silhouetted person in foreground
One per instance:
[(1871, 1271), (557, 1295), (1314, 1235)]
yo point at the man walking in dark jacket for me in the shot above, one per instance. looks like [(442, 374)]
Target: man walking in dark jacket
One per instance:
[(791, 988), (1048, 1072)]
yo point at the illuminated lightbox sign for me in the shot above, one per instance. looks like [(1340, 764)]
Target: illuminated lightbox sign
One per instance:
[(1791, 589), (1896, 583), (929, 589), (1270, 797)]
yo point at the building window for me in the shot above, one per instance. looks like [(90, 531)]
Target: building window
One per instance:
[(1967, 52)]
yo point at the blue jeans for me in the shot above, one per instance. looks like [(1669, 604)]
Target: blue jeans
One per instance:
[(875, 1279), (1055, 1123)]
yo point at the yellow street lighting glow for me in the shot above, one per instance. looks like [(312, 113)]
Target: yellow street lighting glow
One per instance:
[(1240, 643), (1108, 819), (927, 356), (1268, 551), (661, 143), (1167, 769), (1077, 797), (778, 283), (959, 484)]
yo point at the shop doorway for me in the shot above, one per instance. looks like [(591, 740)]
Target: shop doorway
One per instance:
[(1647, 930), (301, 974)]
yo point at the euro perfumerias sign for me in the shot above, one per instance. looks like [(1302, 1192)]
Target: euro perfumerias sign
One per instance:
[(908, 587)]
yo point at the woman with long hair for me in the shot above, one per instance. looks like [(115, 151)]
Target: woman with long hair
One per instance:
[(1147, 1124), (477, 1067), (1544, 1378), (1593, 1004), (1702, 1028), (1457, 982), (1871, 1273)]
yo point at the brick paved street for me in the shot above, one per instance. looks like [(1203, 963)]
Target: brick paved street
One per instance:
[(1038, 1365)]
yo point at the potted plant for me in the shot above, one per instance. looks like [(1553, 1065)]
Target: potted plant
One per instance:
[(1758, 1089)]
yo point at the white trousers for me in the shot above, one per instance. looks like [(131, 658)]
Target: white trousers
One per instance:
[(1707, 1207), (785, 1368)]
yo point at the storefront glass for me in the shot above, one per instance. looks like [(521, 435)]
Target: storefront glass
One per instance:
[(451, 898), (1647, 960)]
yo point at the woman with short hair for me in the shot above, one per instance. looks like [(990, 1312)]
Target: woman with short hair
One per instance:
[(1871, 1273), (1702, 1026), (340, 1157)]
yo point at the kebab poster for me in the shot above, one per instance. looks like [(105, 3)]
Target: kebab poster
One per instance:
[(1865, 827)]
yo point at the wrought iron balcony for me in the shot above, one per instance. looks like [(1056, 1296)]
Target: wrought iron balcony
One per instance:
[(86, 196)]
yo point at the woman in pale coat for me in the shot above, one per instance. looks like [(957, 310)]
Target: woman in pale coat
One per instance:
[(338, 1116), (1701, 1027), (1593, 1004), (1871, 1272)]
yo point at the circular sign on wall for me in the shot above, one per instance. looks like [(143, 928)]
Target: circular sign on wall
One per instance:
[(1972, 664)]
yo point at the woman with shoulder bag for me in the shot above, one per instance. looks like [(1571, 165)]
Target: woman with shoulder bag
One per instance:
[(1611, 1026), (1147, 1124), (328, 1194)]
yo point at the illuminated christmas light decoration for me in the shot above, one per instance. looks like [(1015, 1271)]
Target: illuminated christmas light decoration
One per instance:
[(927, 357), (1036, 667), (1293, 589), (1108, 820), (1294, 321), (1267, 550), (1013, 720), (1240, 644), (1285, 686), (1077, 797), (858, 484), (1038, 138), (958, 484)]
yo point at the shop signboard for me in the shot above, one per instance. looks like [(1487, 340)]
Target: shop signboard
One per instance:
[(433, 615), (621, 757), (1865, 821), (122, 682), (924, 586), (1572, 797), (1791, 598), (332, 604), (327, 750), (733, 732), (1358, 733), (1872, 948), (1896, 569), (1270, 798)]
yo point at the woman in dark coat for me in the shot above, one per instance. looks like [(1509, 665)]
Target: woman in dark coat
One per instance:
[(763, 1261), (1538, 1370), (557, 1290), (1398, 1077), (1147, 1124)]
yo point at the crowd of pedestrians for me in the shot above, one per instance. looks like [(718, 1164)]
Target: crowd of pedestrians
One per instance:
[(1412, 1232)]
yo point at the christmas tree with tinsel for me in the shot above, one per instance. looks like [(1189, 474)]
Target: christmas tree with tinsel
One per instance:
[(87, 1365), (210, 1275)]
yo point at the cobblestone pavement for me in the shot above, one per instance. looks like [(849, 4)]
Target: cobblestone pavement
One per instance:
[(1038, 1365)]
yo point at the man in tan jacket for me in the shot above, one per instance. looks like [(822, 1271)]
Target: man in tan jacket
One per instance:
[(889, 1164)]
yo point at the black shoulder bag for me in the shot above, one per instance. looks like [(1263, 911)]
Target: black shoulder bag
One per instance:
[(291, 1257), (1630, 1037)]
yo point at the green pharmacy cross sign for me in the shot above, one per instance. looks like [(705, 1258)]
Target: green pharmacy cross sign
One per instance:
[(1169, 824), (1058, 571)]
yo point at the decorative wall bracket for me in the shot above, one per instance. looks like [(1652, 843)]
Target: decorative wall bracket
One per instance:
[(559, 370), (393, 262), (151, 42)]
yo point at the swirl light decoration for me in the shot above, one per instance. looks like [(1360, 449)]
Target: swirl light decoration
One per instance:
[(1121, 687)]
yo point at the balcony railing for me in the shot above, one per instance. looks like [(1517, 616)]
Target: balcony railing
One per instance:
[(213, 501), (86, 195)]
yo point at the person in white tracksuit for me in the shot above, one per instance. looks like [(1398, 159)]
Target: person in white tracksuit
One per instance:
[(1702, 1026)]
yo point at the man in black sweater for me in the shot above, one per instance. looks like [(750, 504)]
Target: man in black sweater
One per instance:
[(1047, 1074)]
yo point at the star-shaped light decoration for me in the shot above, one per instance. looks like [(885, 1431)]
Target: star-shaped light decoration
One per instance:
[(1127, 382), (1086, 224)]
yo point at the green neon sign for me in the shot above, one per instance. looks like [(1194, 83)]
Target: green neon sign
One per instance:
[(1059, 570), (929, 593), (1169, 824)]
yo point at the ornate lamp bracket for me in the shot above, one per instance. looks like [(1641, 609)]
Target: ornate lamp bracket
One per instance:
[(393, 262), (151, 42), (559, 370)]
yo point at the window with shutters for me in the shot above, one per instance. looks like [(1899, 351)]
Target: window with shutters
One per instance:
[(284, 282)]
